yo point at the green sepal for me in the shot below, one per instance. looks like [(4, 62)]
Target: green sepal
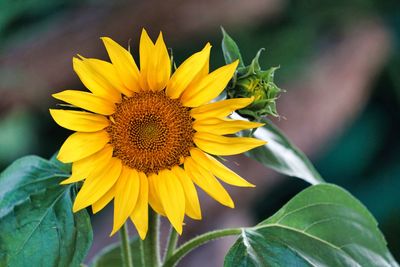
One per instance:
[(230, 49)]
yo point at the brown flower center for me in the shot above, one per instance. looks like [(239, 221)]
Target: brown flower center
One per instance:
[(151, 132)]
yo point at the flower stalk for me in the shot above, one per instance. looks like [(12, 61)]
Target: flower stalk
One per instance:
[(198, 241), (125, 247), (150, 246), (171, 244)]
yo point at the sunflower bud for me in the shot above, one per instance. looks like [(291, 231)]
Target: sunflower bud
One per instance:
[(251, 81)]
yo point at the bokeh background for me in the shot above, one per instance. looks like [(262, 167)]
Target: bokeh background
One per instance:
[(340, 65)]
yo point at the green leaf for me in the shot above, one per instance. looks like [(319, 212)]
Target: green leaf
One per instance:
[(37, 225), (230, 49), (111, 255), (280, 154), (322, 226), (67, 168)]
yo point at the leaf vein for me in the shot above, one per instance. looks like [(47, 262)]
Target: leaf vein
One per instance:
[(308, 206), (38, 224)]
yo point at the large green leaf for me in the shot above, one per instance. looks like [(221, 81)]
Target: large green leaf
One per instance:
[(111, 255), (37, 225), (280, 154), (322, 226)]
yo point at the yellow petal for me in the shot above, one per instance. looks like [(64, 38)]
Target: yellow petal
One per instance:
[(218, 169), (124, 64), (209, 87), (203, 73), (187, 72), (154, 199), (172, 198), (104, 200), (159, 66), (206, 181), (86, 101), (100, 180), (220, 109), (126, 195), (109, 73), (224, 146), (95, 81), (82, 168), (146, 48), (223, 126), (140, 214), (192, 205), (79, 121), (81, 145), (76, 176)]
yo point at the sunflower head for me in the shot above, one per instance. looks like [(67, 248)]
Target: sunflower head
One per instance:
[(147, 137)]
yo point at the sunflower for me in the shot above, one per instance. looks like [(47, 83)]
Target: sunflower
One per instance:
[(146, 137)]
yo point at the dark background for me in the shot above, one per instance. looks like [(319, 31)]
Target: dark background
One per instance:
[(340, 65)]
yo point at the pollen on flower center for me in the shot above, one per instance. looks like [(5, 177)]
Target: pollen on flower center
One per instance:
[(151, 132)]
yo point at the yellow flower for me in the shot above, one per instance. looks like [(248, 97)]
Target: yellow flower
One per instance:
[(146, 136)]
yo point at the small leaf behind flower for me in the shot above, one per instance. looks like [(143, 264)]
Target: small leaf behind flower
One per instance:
[(65, 167), (322, 226), (37, 225), (230, 49), (280, 154)]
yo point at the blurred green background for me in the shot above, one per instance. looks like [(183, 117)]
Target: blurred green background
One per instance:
[(340, 65)]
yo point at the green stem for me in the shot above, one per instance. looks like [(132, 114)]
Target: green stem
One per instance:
[(198, 241), (125, 247), (143, 252), (171, 245), (151, 244)]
